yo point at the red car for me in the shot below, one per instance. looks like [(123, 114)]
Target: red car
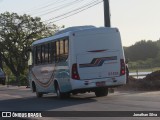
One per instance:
[(2, 77)]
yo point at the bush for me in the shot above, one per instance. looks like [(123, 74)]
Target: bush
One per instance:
[(22, 80)]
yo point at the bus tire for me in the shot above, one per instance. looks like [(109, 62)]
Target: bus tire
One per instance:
[(61, 95), (39, 94), (33, 87), (99, 92)]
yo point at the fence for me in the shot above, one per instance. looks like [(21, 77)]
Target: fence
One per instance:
[(140, 71), (139, 75)]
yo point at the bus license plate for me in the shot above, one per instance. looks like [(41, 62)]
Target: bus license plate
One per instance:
[(102, 83)]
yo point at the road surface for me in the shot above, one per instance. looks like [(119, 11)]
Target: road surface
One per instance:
[(15, 98)]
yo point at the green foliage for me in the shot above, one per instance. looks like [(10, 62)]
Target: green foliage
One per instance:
[(22, 80), (143, 55), (141, 50), (17, 32)]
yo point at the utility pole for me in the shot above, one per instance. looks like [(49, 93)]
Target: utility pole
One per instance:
[(106, 14)]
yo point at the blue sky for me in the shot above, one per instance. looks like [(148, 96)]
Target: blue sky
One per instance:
[(136, 19)]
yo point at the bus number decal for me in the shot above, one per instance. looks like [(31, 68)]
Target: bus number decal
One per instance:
[(112, 73)]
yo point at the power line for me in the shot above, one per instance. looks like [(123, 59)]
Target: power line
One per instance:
[(75, 11), (46, 6), (63, 6)]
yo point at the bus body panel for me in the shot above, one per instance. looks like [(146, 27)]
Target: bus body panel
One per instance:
[(98, 65), (97, 53), (107, 82), (42, 76), (63, 77)]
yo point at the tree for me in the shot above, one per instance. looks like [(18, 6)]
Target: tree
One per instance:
[(142, 50), (1, 66), (17, 32)]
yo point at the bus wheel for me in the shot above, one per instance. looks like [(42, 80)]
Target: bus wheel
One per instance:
[(99, 92), (61, 95), (39, 94), (58, 92)]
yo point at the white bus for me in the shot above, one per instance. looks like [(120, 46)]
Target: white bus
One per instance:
[(78, 60)]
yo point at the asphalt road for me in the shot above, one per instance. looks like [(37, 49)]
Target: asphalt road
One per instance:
[(22, 99)]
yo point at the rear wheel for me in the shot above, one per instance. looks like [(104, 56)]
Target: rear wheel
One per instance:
[(39, 94), (99, 92), (61, 95)]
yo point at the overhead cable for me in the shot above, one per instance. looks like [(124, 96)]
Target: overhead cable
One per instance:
[(73, 12)]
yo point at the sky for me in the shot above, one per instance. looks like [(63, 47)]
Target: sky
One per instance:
[(136, 19)]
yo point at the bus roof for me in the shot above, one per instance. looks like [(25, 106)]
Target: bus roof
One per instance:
[(63, 33), (51, 38)]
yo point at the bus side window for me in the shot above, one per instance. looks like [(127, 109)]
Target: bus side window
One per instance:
[(54, 51), (60, 51), (46, 57), (57, 51), (61, 56), (49, 52), (63, 50), (66, 46), (35, 55), (38, 55)]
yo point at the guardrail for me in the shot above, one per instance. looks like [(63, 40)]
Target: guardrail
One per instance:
[(139, 74)]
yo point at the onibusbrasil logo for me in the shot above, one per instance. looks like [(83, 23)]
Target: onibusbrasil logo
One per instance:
[(21, 114)]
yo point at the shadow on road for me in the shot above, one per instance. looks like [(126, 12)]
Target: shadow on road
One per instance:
[(41, 104)]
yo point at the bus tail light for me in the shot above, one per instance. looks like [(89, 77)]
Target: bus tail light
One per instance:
[(123, 66), (75, 74)]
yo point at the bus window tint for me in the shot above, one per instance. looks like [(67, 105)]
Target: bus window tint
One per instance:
[(46, 53), (53, 51), (57, 51), (61, 47), (39, 54), (49, 52), (66, 46), (43, 54), (35, 56), (63, 50)]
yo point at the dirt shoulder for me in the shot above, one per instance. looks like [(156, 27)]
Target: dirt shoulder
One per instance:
[(150, 83)]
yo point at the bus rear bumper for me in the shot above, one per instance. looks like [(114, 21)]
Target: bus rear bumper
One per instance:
[(95, 83)]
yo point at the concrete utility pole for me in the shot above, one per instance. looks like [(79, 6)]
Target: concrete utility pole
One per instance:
[(106, 14)]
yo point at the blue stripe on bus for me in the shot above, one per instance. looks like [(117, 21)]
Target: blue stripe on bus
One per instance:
[(96, 62)]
